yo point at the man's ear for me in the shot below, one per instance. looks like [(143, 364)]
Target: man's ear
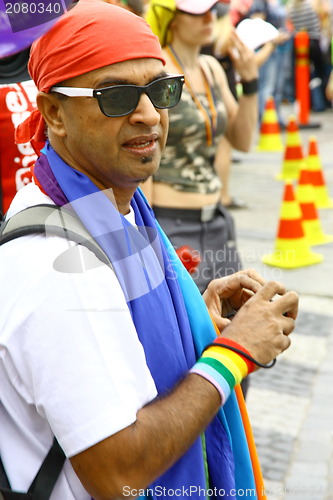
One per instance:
[(50, 108)]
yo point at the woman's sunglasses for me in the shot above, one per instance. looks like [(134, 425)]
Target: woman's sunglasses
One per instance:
[(121, 100)]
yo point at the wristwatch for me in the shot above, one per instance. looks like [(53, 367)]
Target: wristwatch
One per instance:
[(251, 87)]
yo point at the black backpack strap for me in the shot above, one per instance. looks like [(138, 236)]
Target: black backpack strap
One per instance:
[(3, 477), (51, 220), (44, 482)]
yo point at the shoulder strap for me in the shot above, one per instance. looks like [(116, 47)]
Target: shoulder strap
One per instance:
[(44, 482), (3, 477), (48, 474), (51, 220)]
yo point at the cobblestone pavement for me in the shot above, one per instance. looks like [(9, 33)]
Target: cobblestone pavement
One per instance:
[(291, 406)]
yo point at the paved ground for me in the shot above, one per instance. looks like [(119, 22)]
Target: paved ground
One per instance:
[(291, 406)]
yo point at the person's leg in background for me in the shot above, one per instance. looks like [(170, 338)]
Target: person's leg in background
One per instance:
[(318, 76), (288, 93), (267, 79), (282, 58)]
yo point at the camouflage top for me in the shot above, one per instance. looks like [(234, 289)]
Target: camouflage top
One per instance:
[(187, 161)]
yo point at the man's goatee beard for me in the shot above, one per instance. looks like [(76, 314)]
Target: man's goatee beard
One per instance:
[(146, 159)]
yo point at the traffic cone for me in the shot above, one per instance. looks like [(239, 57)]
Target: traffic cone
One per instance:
[(291, 248), (270, 139), (317, 180), (293, 154), (310, 220)]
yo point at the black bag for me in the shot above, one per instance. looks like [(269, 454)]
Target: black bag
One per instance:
[(64, 223)]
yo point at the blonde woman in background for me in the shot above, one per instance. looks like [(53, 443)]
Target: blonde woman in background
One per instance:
[(220, 49), (186, 191)]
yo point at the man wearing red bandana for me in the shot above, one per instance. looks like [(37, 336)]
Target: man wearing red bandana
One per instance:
[(123, 362)]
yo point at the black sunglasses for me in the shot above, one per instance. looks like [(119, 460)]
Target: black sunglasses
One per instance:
[(121, 100)]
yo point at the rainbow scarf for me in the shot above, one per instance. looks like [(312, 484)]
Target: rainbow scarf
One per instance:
[(173, 326)]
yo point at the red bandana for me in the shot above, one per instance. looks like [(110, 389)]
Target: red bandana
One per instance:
[(91, 35)]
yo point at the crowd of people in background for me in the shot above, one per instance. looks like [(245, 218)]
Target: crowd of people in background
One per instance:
[(275, 59)]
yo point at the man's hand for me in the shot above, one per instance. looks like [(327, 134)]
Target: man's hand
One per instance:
[(263, 323), (230, 293)]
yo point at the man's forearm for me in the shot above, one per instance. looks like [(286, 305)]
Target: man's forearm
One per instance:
[(140, 453)]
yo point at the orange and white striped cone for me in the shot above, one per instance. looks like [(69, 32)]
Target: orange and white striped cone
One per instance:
[(317, 180), (310, 221), (293, 153), (291, 248), (270, 138)]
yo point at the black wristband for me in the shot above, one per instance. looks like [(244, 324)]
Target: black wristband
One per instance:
[(251, 87)]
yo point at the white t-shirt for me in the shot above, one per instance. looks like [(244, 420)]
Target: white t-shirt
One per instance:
[(71, 363)]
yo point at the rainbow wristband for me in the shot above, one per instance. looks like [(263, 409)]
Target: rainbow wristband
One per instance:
[(240, 349), (222, 367)]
